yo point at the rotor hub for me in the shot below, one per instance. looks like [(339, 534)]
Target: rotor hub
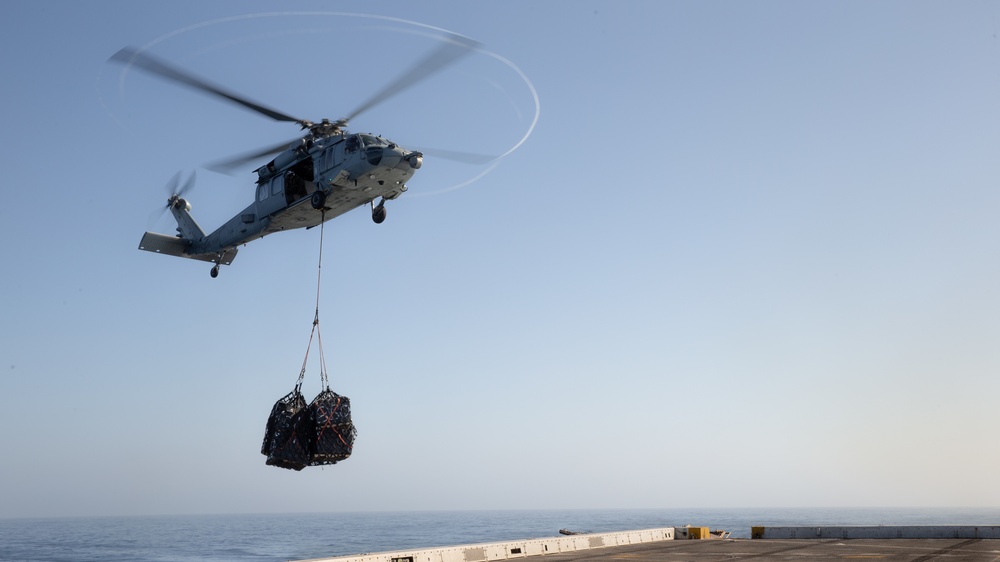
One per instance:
[(179, 203), (325, 128)]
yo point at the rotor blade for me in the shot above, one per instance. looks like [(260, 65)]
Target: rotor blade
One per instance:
[(187, 185), (155, 217), (131, 56), (229, 165), (454, 48), (463, 157), (171, 186)]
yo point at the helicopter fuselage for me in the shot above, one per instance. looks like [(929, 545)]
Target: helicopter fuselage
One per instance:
[(314, 181), (325, 174)]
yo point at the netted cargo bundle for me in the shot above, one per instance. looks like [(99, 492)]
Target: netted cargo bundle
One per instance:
[(288, 433), (333, 431)]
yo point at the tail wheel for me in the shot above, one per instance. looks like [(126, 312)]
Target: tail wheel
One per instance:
[(378, 214)]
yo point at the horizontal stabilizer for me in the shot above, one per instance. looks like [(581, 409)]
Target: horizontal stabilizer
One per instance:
[(175, 246)]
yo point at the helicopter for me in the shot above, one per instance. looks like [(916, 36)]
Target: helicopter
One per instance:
[(325, 173)]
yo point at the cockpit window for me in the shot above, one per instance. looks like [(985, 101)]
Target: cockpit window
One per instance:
[(372, 140)]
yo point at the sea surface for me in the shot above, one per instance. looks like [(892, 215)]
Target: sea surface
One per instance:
[(274, 537)]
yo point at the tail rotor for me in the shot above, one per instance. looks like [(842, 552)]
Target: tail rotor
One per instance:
[(175, 193)]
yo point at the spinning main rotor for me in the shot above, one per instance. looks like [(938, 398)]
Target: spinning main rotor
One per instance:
[(453, 48)]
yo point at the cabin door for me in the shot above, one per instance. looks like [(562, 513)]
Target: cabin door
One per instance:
[(271, 196)]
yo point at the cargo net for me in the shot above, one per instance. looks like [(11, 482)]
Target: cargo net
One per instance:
[(288, 433), (320, 433), (298, 435), (332, 430)]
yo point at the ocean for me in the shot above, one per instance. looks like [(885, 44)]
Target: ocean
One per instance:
[(276, 537)]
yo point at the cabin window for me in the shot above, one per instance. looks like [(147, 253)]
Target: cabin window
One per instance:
[(262, 192), (329, 158), (275, 186)]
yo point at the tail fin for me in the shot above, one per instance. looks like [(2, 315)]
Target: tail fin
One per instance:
[(186, 225)]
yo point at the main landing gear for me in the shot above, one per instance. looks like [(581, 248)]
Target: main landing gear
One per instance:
[(378, 211), (318, 200)]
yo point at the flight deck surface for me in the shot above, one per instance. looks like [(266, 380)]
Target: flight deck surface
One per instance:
[(911, 550), (697, 544)]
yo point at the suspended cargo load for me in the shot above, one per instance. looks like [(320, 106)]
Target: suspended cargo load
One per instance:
[(333, 431), (288, 433)]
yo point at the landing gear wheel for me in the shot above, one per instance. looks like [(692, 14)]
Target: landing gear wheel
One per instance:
[(215, 271), (378, 214), (318, 200)]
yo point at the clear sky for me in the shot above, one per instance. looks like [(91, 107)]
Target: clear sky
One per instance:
[(749, 256)]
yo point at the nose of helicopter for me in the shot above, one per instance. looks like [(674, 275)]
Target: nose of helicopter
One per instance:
[(415, 159), (394, 156)]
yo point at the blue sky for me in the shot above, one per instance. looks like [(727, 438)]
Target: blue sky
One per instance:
[(747, 257)]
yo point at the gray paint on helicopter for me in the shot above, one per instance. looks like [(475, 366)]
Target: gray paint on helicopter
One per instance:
[(323, 175)]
